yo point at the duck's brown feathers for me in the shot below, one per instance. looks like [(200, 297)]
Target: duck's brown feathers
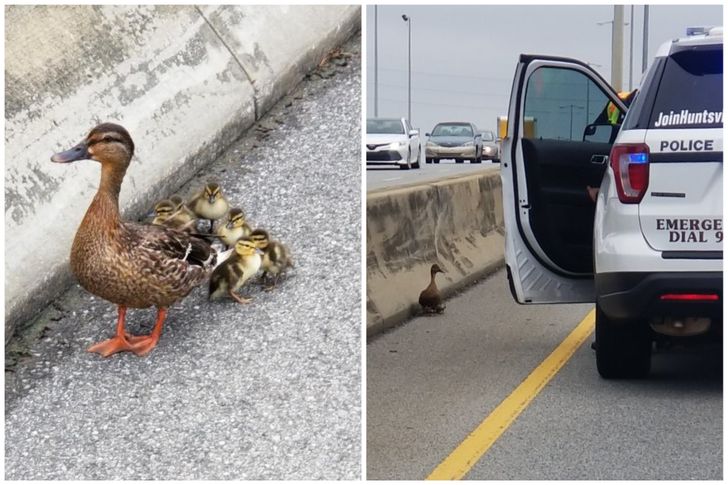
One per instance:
[(430, 298), (132, 264)]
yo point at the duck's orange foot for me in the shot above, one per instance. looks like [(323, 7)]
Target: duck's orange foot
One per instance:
[(112, 346), (143, 344)]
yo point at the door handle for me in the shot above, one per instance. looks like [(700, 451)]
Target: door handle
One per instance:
[(599, 159)]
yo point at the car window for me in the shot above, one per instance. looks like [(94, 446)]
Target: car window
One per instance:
[(390, 127), (690, 94), (561, 102), (488, 136)]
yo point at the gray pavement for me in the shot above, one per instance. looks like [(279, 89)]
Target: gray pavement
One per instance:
[(270, 390), (390, 177), (431, 381)]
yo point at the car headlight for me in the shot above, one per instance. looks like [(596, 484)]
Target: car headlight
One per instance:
[(487, 150), (432, 144), (468, 144), (397, 145)]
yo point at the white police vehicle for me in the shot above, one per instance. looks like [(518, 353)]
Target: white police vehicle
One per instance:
[(649, 252)]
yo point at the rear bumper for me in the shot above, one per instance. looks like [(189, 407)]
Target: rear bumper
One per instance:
[(628, 296)]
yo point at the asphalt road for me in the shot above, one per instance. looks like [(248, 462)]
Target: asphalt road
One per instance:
[(270, 390), (389, 177), (433, 380)]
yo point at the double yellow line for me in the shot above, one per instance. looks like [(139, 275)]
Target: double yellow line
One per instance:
[(467, 454)]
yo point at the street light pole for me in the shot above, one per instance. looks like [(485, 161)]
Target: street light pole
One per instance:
[(617, 47), (631, 44), (376, 68), (645, 25), (409, 67), (571, 116)]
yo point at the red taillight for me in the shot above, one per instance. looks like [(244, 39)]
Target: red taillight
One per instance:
[(631, 165), (690, 297)]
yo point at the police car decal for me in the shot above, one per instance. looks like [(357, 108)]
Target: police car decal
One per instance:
[(686, 118), (691, 230)]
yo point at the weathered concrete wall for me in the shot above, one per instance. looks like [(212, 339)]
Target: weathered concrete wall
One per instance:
[(457, 223), (185, 81)]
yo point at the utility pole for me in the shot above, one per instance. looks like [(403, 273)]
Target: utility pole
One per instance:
[(376, 68), (645, 37), (631, 44), (617, 47), (409, 67)]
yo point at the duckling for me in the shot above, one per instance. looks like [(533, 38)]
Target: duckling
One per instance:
[(276, 257), (235, 228), (166, 213), (235, 271), (179, 205), (162, 210), (430, 298), (131, 265), (209, 204)]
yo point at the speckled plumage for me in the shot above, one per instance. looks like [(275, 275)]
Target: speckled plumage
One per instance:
[(130, 264)]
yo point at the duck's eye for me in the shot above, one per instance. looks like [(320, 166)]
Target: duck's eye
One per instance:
[(108, 139)]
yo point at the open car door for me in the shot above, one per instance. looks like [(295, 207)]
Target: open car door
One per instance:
[(559, 136)]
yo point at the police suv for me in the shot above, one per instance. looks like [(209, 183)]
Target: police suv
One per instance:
[(649, 250)]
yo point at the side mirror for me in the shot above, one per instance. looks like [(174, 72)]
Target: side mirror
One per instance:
[(427, 134), (414, 133), (598, 133)]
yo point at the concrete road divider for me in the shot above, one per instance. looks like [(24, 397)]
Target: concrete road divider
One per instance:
[(457, 223), (185, 81)]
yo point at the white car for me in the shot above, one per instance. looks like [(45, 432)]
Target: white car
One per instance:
[(648, 251), (392, 141)]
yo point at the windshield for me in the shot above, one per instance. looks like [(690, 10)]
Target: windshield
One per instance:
[(488, 136), (453, 129), (389, 127)]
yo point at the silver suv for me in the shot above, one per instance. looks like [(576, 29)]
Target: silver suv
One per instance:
[(648, 250)]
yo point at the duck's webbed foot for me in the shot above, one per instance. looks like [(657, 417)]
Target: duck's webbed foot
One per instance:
[(119, 343), (240, 299)]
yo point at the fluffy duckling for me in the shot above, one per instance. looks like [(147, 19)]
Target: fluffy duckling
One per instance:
[(235, 228), (131, 265), (235, 271), (276, 257), (179, 205), (430, 298), (209, 204), (166, 213)]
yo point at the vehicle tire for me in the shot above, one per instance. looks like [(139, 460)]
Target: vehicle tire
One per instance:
[(459, 160), (624, 349), (416, 163), (428, 160), (477, 159), (436, 160)]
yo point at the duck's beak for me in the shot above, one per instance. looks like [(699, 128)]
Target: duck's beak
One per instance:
[(79, 152), (229, 225), (211, 199)]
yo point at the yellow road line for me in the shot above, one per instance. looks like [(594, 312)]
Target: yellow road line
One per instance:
[(467, 454)]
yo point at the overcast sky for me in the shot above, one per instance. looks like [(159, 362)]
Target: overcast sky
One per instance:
[(464, 57)]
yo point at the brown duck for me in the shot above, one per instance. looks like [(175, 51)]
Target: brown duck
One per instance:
[(129, 264), (430, 298)]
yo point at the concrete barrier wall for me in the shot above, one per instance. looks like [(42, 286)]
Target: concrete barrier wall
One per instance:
[(185, 81), (457, 223)]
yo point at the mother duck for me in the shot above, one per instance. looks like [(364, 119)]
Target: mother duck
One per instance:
[(129, 264)]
